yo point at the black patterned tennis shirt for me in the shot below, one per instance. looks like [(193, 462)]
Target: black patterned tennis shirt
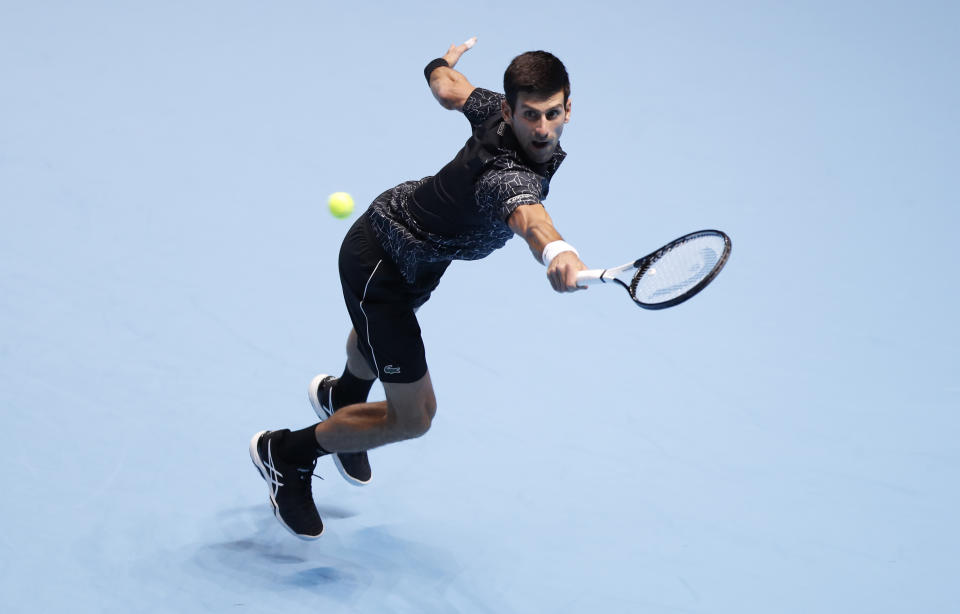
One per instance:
[(427, 221)]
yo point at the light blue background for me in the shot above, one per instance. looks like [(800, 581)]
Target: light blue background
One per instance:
[(786, 442)]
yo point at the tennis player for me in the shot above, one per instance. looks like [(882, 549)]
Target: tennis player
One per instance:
[(394, 255)]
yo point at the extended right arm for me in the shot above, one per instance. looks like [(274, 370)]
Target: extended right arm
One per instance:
[(448, 86), (533, 223)]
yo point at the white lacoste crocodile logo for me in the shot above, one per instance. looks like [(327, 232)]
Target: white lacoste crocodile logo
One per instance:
[(391, 370)]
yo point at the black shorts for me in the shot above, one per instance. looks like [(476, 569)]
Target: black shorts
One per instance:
[(382, 305)]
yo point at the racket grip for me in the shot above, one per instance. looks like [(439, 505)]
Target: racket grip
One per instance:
[(590, 276)]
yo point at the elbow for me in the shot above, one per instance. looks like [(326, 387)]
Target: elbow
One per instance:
[(447, 97)]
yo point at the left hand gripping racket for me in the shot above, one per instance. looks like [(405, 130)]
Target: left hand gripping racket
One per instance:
[(672, 274)]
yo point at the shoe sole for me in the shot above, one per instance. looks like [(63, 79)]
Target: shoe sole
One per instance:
[(323, 414), (258, 463)]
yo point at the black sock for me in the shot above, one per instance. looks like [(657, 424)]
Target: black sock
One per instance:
[(350, 389), (300, 447)]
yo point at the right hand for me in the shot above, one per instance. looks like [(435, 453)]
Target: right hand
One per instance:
[(562, 272)]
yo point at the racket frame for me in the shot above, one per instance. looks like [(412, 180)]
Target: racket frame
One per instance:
[(636, 269)]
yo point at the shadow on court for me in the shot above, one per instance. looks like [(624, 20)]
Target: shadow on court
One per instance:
[(350, 564)]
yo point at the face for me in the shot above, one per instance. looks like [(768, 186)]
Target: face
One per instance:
[(538, 123)]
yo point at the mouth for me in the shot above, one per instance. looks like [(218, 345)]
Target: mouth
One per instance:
[(540, 145)]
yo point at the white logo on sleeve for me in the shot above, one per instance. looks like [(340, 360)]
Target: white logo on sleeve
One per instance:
[(391, 370), (519, 197)]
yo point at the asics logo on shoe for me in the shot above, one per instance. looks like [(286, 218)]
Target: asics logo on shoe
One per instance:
[(329, 406), (274, 475), (290, 494)]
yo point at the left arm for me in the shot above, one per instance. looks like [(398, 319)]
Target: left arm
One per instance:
[(448, 86), (533, 223)]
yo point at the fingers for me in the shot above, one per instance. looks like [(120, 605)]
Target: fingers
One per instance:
[(452, 56), (562, 273), (556, 281), (571, 279), (563, 281)]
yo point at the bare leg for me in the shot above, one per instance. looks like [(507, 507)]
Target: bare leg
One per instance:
[(358, 366), (356, 363), (407, 413)]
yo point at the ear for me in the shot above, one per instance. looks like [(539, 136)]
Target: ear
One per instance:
[(505, 111), (566, 118)]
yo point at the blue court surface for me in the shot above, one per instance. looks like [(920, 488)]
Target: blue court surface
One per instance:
[(785, 442)]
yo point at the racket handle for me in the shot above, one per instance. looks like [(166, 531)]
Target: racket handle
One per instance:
[(590, 276)]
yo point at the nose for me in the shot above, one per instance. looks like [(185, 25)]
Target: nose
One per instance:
[(542, 129)]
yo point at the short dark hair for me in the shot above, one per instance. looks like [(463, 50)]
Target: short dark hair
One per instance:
[(535, 72)]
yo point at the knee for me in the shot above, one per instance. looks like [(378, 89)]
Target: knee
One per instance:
[(353, 345), (352, 340), (416, 421), (422, 420), (427, 415), (356, 363)]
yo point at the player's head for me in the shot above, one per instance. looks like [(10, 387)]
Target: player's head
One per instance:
[(537, 73), (537, 102)]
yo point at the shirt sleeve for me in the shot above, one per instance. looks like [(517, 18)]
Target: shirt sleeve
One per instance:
[(500, 191), (481, 104)]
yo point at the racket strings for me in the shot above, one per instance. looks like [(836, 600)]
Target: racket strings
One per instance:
[(677, 269)]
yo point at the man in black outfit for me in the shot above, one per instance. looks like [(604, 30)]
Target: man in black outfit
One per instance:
[(394, 255)]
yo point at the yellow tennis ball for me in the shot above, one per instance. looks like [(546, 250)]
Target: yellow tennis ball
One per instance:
[(341, 204)]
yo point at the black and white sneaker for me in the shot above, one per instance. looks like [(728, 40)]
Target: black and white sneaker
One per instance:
[(289, 485), (353, 466)]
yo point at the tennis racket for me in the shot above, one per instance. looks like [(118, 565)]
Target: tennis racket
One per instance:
[(672, 274)]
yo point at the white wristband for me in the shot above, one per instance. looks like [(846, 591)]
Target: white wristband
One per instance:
[(553, 249)]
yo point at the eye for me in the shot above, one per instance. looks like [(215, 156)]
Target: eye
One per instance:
[(553, 114), (531, 115)]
